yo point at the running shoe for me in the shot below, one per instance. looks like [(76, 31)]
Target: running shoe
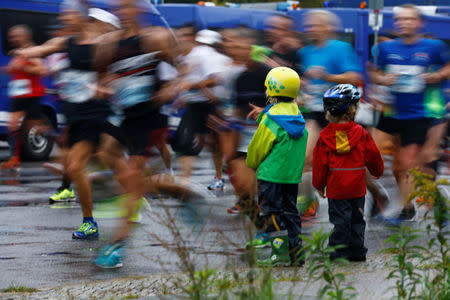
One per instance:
[(110, 256), (142, 204), (406, 214), (261, 240), (12, 163), (380, 202), (235, 210), (63, 195), (217, 184), (87, 230)]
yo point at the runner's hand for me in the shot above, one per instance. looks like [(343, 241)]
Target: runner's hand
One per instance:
[(316, 72), (389, 79), (431, 78), (254, 114)]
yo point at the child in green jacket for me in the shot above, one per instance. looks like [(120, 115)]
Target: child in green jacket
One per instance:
[(277, 153)]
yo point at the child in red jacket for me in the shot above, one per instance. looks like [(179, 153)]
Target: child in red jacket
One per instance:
[(341, 155)]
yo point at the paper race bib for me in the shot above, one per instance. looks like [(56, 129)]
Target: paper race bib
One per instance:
[(408, 80), (75, 86), (19, 87), (133, 90)]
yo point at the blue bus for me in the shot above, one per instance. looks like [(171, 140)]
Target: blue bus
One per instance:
[(39, 14)]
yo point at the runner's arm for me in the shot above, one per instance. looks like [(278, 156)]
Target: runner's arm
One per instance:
[(37, 68), (160, 39), (51, 46), (105, 48), (438, 76), (347, 77), (379, 77)]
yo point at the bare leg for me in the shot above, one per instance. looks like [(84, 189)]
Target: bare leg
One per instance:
[(161, 145), (77, 159), (382, 140), (134, 183), (313, 135), (430, 150), (406, 159)]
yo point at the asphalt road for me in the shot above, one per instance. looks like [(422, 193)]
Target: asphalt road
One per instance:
[(36, 248)]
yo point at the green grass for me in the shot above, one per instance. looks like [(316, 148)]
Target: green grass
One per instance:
[(131, 296), (18, 289)]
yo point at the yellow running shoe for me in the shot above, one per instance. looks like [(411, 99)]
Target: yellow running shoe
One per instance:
[(63, 195)]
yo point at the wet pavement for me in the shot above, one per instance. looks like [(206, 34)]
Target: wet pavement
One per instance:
[(36, 248)]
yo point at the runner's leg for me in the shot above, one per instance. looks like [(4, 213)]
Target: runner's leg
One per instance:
[(77, 159)]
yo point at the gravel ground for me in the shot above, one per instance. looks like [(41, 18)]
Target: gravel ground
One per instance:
[(368, 278)]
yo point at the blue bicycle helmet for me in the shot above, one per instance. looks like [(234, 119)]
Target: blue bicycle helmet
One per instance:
[(338, 98)]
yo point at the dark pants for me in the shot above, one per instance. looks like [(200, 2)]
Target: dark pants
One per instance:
[(347, 216), (279, 213)]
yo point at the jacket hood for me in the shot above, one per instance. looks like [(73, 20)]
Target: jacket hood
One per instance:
[(293, 124), (341, 138)]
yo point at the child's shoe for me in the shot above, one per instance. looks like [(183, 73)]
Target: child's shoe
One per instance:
[(261, 240), (279, 255)]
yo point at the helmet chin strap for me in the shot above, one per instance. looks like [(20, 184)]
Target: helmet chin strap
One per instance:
[(271, 100)]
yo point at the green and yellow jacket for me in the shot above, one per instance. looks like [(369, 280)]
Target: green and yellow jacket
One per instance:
[(277, 150)]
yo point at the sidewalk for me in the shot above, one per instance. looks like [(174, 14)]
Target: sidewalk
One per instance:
[(368, 278)]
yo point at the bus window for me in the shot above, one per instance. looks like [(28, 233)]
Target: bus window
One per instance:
[(38, 22)]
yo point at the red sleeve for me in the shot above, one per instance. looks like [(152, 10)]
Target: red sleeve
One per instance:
[(373, 160), (320, 166)]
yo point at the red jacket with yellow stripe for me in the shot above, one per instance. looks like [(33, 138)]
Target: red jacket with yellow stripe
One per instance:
[(341, 156)]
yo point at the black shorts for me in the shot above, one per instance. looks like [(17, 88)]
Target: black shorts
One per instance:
[(163, 121), (136, 132), (29, 105), (86, 130), (115, 132), (318, 116), (197, 114), (409, 131)]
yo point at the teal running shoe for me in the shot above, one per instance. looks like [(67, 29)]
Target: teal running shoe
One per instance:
[(87, 230), (110, 256)]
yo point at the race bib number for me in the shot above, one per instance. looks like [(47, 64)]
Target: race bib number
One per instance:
[(77, 86), (193, 96), (409, 80), (19, 87), (133, 90)]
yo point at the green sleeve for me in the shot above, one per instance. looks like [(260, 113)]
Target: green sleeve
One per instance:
[(260, 146)]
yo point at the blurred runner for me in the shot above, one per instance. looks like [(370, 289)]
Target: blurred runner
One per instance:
[(200, 67), (322, 68), (132, 56), (24, 89), (84, 103), (100, 22), (412, 67), (283, 43)]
